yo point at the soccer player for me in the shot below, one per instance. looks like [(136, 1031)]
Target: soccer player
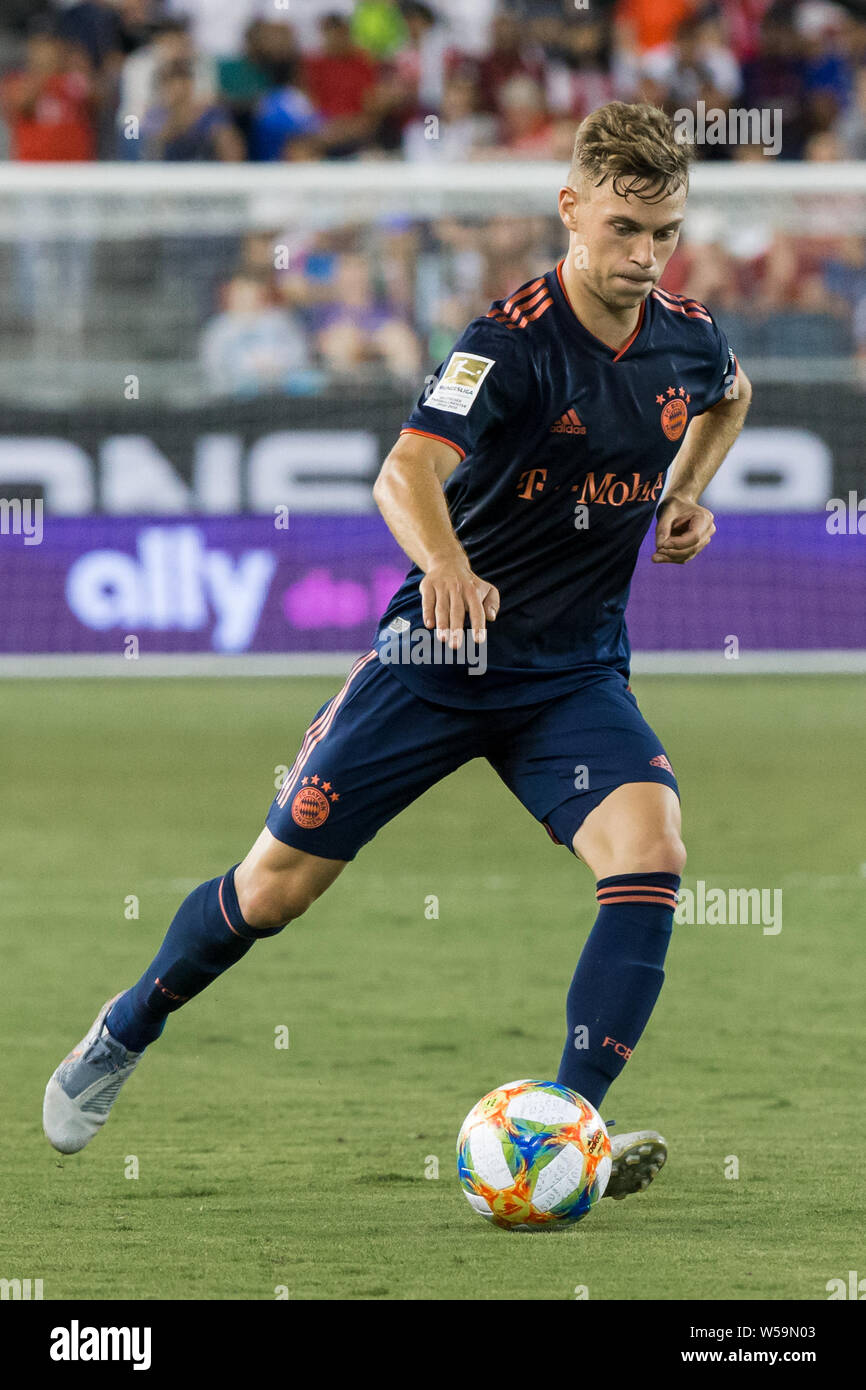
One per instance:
[(521, 488)]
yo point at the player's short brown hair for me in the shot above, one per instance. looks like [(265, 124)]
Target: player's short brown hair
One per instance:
[(633, 145)]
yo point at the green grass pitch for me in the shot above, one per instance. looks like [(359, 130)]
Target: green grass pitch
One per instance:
[(306, 1168)]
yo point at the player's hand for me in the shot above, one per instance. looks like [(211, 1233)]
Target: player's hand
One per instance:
[(449, 590), (683, 529)]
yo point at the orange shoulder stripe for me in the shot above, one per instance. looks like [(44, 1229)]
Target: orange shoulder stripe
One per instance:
[(521, 318), (521, 295), (680, 308), (678, 301)]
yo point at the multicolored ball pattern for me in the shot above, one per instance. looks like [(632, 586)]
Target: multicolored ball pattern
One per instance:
[(532, 1155)]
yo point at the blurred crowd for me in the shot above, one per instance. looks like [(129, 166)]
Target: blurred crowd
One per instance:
[(453, 80), (268, 80)]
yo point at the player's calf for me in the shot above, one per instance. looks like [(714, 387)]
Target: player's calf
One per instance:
[(632, 843), (214, 928)]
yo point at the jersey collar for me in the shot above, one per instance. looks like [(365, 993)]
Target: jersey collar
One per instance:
[(565, 304)]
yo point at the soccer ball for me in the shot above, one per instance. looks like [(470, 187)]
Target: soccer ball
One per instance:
[(533, 1155)]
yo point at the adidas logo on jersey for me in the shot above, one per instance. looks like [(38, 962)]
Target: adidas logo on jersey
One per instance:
[(569, 423)]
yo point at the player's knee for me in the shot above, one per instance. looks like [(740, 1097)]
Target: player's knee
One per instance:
[(650, 849), (656, 846), (274, 900), (668, 853)]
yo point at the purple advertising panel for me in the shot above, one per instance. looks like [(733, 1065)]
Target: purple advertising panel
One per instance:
[(242, 584)]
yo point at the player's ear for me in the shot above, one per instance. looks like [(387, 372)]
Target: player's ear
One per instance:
[(568, 207)]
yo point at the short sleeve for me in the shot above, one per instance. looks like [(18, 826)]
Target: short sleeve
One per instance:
[(722, 367), (483, 381)]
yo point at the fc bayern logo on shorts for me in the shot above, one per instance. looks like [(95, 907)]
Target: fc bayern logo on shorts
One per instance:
[(310, 808)]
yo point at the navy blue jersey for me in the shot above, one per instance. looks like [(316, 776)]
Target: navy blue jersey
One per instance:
[(564, 444)]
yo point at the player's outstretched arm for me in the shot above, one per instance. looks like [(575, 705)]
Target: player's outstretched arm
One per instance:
[(408, 493), (683, 526)]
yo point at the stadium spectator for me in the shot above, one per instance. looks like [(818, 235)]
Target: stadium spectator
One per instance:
[(828, 68), (94, 26), (579, 76), (509, 56), (340, 81), (787, 276), (703, 266), (544, 22), (253, 347), (400, 238), (824, 147), (459, 132), (648, 24), (243, 79), (775, 80), (514, 250), (356, 332), (169, 41), (852, 127), (562, 139), (421, 63), (450, 315), (218, 26), (284, 121), (306, 18), (527, 129), (844, 277), (180, 126), (309, 264), (412, 82), (49, 106), (742, 22), (698, 65), (340, 76)]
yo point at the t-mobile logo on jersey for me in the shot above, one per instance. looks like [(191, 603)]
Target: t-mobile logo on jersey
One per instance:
[(610, 491)]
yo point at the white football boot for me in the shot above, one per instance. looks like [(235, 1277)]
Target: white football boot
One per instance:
[(636, 1158), (84, 1087)]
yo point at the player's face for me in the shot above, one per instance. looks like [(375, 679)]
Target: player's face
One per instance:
[(627, 242)]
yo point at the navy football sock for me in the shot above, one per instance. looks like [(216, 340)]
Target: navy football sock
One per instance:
[(617, 980), (208, 934)]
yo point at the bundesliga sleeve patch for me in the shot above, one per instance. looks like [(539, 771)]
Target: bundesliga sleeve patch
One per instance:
[(460, 383)]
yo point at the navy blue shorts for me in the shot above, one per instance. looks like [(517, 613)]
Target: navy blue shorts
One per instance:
[(376, 746)]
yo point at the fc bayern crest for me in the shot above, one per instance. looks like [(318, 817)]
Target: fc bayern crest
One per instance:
[(675, 415), (312, 802)]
